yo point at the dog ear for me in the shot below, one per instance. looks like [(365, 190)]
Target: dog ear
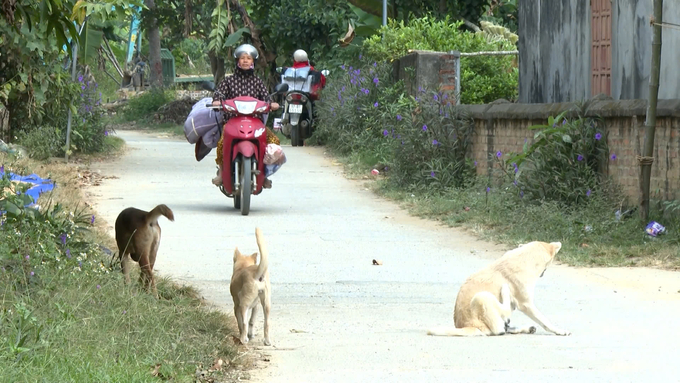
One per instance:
[(254, 257), (237, 254), (556, 247)]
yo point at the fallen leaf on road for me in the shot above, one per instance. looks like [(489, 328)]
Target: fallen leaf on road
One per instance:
[(297, 331), (377, 262), (217, 365), (584, 245)]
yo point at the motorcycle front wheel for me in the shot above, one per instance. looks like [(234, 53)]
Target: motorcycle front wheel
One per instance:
[(246, 185)]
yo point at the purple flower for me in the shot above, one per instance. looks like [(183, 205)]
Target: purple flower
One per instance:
[(375, 80), (398, 117), (499, 154), (375, 64), (613, 157), (385, 133), (106, 132), (350, 68), (436, 98), (80, 264), (343, 88), (125, 311), (564, 121), (488, 189), (342, 66), (2, 169), (579, 158), (420, 89), (80, 78), (98, 287), (515, 182), (366, 91), (521, 194), (588, 193), (431, 174), (68, 253), (475, 163), (360, 56), (32, 273), (598, 136), (399, 136), (435, 142), (92, 220), (82, 87), (375, 105), (63, 239), (27, 257), (424, 128)]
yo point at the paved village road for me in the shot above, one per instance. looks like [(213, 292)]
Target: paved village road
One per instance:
[(338, 318)]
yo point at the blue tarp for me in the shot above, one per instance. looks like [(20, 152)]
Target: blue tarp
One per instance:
[(40, 185)]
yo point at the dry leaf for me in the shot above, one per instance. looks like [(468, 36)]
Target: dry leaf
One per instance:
[(584, 245), (377, 262), (297, 331), (236, 339), (155, 370), (217, 366)]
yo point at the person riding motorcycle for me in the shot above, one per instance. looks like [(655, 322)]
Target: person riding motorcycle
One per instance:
[(242, 82), (301, 60)]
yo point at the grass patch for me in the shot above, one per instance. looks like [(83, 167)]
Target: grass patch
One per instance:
[(591, 235), (65, 315)]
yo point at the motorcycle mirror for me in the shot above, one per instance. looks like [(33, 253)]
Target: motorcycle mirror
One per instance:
[(281, 88), (208, 85), (325, 72)]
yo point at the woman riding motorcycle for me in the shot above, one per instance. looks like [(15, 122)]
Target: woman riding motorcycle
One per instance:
[(242, 82)]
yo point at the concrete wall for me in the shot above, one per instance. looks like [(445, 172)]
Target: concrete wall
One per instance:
[(504, 127), (430, 71), (632, 50), (554, 50)]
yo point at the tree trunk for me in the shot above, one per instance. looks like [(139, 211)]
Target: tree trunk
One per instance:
[(216, 67), (154, 37), (188, 17), (5, 132), (647, 158)]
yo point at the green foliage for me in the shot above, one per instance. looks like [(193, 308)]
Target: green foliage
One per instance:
[(405, 9), (65, 314), (502, 12), (483, 78), (564, 163), (420, 141), (312, 25), (144, 105), (88, 130)]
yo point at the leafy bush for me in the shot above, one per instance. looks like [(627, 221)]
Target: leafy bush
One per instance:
[(144, 105), (564, 163), (483, 78), (419, 141), (88, 130)]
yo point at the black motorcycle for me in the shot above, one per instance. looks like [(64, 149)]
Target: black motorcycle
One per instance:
[(298, 114)]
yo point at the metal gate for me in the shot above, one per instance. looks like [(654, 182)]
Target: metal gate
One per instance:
[(601, 50)]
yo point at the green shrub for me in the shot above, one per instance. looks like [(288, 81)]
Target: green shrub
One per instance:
[(483, 78), (88, 129), (365, 112), (565, 162), (144, 105)]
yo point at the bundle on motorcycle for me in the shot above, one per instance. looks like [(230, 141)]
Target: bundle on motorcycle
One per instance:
[(304, 86), (202, 127)]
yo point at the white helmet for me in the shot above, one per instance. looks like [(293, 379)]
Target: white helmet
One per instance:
[(300, 56), (246, 48)]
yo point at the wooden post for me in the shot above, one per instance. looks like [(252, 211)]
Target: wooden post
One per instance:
[(647, 158)]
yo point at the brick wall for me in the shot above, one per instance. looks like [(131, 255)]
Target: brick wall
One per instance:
[(504, 127)]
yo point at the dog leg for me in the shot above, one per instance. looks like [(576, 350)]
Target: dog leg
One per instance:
[(515, 330), (251, 322), (266, 306), (532, 312), (146, 275), (125, 265), (244, 321)]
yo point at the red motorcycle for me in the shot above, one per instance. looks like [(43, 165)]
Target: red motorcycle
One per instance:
[(243, 149)]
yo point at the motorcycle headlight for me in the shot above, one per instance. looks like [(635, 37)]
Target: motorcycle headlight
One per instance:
[(261, 109), (229, 108)]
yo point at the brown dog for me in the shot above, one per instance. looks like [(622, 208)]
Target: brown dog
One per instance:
[(138, 235), (250, 281)]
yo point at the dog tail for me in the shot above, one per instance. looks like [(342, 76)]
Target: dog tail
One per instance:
[(453, 331), (159, 211), (264, 263)]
